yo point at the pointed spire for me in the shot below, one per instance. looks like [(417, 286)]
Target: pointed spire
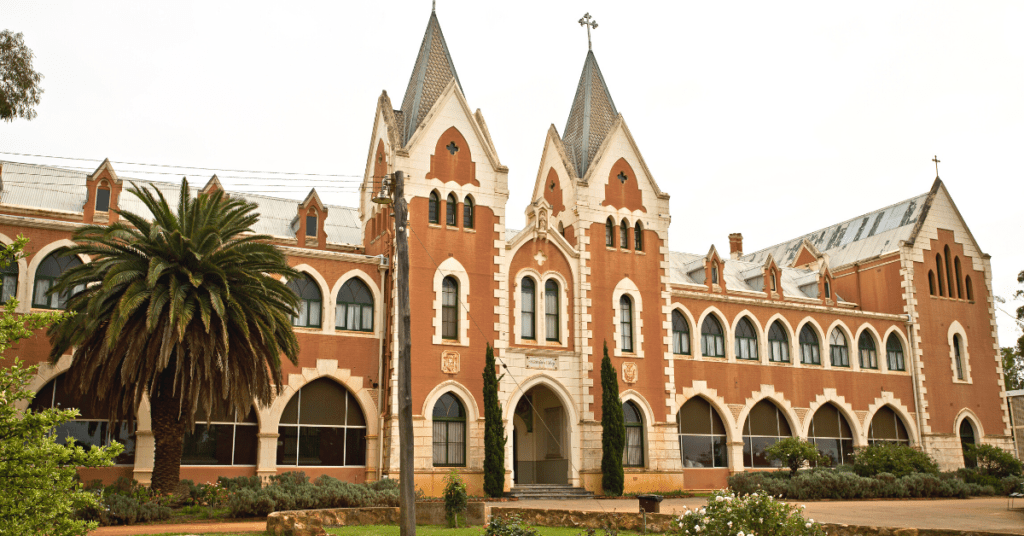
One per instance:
[(431, 73), (591, 118)]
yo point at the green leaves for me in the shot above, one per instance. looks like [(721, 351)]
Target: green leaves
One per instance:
[(613, 429), (19, 82)]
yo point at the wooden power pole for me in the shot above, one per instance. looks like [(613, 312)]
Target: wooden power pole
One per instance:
[(407, 489)]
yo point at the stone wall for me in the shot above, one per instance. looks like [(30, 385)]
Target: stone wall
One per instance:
[(302, 522)]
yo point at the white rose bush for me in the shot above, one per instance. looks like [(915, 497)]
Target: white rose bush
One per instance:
[(756, 514)]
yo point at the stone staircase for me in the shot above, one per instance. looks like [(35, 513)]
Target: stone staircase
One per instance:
[(525, 492)]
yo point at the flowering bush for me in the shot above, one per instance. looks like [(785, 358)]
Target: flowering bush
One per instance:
[(508, 526), (756, 514)]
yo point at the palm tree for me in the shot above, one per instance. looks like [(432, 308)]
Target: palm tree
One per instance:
[(185, 308)]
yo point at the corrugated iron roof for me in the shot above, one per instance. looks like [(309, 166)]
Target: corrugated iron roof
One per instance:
[(52, 188), (591, 117), (688, 269), (431, 73)]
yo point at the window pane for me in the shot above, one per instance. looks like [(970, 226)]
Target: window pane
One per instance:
[(42, 285), (321, 446), (339, 317), (208, 445), (314, 314), (367, 323), (353, 317), (322, 402), (102, 200), (633, 454), (246, 444), (10, 287), (355, 446), (287, 445)]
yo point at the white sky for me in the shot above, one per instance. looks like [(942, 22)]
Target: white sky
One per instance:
[(770, 119)]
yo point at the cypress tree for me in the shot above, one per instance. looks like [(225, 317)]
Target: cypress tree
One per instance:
[(494, 432), (613, 429)]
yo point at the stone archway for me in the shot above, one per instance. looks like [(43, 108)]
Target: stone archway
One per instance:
[(540, 440)]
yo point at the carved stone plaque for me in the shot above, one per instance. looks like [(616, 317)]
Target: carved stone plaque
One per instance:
[(450, 362), (543, 363), (630, 372)]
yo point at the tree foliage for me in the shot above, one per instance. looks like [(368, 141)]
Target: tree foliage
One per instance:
[(613, 429), (494, 431), (19, 83), (1013, 368), (186, 309), (38, 491), (793, 453), (893, 458)]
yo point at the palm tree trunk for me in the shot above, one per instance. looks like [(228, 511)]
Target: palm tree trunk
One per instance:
[(168, 431)]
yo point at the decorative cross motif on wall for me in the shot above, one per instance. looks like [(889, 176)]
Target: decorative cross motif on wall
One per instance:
[(622, 177), (452, 148), (552, 186)]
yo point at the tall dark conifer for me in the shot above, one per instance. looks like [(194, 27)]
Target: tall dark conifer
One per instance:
[(494, 432), (613, 429)]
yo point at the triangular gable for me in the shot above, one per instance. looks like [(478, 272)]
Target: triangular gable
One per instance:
[(104, 166), (713, 255), (552, 143), (621, 127), (452, 91), (807, 256), (939, 187), (313, 199), (212, 185)]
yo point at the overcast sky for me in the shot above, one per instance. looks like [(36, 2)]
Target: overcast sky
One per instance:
[(773, 119)]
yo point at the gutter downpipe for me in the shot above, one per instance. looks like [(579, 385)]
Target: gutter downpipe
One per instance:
[(913, 374), (383, 269)]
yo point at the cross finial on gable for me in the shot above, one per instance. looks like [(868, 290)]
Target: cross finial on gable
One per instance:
[(452, 148), (589, 22), (936, 160)]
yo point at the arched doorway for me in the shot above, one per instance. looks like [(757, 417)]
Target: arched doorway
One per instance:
[(540, 440), (967, 438)]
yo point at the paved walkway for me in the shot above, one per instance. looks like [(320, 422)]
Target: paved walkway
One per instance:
[(183, 528), (985, 514)]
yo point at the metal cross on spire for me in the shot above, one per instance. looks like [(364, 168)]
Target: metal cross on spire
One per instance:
[(589, 22), (936, 160)]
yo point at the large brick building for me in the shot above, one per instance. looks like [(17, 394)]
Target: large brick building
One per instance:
[(879, 328)]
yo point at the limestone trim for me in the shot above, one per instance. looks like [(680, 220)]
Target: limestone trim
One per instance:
[(20, 289), (968, 413), (45, 374), (699, 388), (698, 352), (626, 287), (649, 421), (996, 353), (573, 426), (884, 349), (768, 392), (452, 267), (851, 346), (965, 356), (270, 416), (27, 288), (798, 360), (791, 339), (326, 313), (730, 344), (879, 347), (694, 332), (845, 409), (356, 258), (378, 300), (678, 292), (452, 91), (888, 400), (464, 395)]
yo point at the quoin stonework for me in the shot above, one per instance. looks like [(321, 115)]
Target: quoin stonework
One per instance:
[(877, 328)]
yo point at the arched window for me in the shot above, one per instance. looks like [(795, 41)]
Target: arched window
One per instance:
[(633, 454), (433, 206), (931, 282), (449, 308), (714, 274), (467, 213), (838, 351), (712, 342), (451, 217), (809, 347), (868, 354), (957, 358), (967, 438), (90, 427), (680, 334), (967, 283), (528, 306), (322, 425), (949, 273), (778, 343), (894, 353), (626, 322), (638, 237), (939, 270), (9, 274), (311, 222), (887, 427), (551, 323), (765, 426), (624, 234), (561, 230), (609, 233), (746, 340), (49, 270), (774, 286), (449, 432), (221, 439), (831, 434), (102, 198), (959, 277), (310, 300), (828, 290), (354, 309), (701, 435)]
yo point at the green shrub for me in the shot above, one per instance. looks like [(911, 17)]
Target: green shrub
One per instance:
[(823, 483), (793, 453), (728, 514), (294, 491), (456, 501), (893, 458), (993, 460), (120, 508), (246, 502), (508, 526), (248, 482)]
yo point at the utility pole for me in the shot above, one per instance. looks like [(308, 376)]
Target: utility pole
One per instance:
[(407, 491)]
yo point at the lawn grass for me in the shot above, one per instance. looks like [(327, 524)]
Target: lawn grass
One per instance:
[(428, 530)]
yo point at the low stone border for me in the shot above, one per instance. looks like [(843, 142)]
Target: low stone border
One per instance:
[(312, 522)]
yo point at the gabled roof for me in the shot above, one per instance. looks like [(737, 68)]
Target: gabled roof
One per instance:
[(431, 73), (591, 117), (856, 239)]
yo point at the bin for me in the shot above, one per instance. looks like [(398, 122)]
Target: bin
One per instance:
[(650, 503)]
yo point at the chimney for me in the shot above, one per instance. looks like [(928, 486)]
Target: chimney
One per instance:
[(736, 245)]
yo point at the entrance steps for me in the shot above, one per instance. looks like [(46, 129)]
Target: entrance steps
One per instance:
[(548, 492)]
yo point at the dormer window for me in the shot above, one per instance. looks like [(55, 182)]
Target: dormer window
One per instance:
[(103, 198), (714, 275), (828, 290), (774, 288), (311, 224)]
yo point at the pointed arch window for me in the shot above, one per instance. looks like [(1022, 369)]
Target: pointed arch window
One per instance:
[(633, 454), (609, 233), (49, 270), (938, 270), (9, 277), (451, 211), (528, 307), (714, 274), (102, 197), (957, 357), (354, 308), (868, 354), (949, 273), (624, 234), (831, 433), (887, 427), (838, 350), (322, 425), (638, 237), (774, 285), (894, 353), (90, 427), (931, 282), (449, 308), (307, 314), (712, 342), (311, 223), (746, 340), (702, 439), (959, 277), (828, 290), (778, 343), (680, 334), (967, 284), (809, 347), (967, 439), (449, 418), (551, 323), (626, 322), (764, 427), (467, 213), (433, 207)]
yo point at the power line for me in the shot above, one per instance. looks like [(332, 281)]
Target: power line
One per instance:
[(179, 174)]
